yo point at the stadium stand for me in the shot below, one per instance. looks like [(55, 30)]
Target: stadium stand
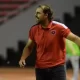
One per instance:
[(11, 8)]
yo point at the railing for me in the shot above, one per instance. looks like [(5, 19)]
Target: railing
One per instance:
[(10, 8)]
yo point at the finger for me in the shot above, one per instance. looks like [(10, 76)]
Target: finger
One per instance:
[(24, 63), (21, 64)]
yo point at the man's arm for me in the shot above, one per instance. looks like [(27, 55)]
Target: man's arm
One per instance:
[(26, 52), (74, 38), (69, 45), (27, 49)]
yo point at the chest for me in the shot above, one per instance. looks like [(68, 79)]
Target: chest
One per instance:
[(46, 36)]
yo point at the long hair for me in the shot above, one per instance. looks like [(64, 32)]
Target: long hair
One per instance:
[(47, 10)]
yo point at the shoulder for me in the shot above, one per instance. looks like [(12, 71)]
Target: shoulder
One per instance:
[(34, 26), (59, 24)]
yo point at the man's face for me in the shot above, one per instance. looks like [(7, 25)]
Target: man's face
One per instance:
[(40, 16)]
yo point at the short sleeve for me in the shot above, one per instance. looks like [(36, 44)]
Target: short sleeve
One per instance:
[(31, 33), (64, 30)]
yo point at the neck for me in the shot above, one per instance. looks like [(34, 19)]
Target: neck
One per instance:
[(45, 23)]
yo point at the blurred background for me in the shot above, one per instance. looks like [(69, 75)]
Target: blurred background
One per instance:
[(16, 18)]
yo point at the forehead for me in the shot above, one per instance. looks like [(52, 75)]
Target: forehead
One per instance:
[(39, 9)]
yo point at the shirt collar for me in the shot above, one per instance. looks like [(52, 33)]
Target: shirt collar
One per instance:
[(48, 27)]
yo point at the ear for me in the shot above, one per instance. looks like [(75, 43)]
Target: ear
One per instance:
[(46, 15)]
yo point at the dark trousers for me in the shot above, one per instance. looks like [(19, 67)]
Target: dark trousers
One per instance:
[(53, 73)]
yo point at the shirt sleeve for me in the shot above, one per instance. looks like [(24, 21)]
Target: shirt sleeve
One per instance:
[(64, 30), (31, 33)]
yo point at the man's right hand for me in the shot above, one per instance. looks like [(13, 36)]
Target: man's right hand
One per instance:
[(22, 63), (26, 52)]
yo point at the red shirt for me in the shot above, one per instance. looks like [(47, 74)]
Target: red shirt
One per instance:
[(50, 44)]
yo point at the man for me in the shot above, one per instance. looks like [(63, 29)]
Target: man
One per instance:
[(48, 36), (73, 53)]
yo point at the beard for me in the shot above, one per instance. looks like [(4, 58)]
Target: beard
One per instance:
[(39, 21)]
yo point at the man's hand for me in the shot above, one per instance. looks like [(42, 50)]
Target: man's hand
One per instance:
[(26, 52), (22, 63)]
